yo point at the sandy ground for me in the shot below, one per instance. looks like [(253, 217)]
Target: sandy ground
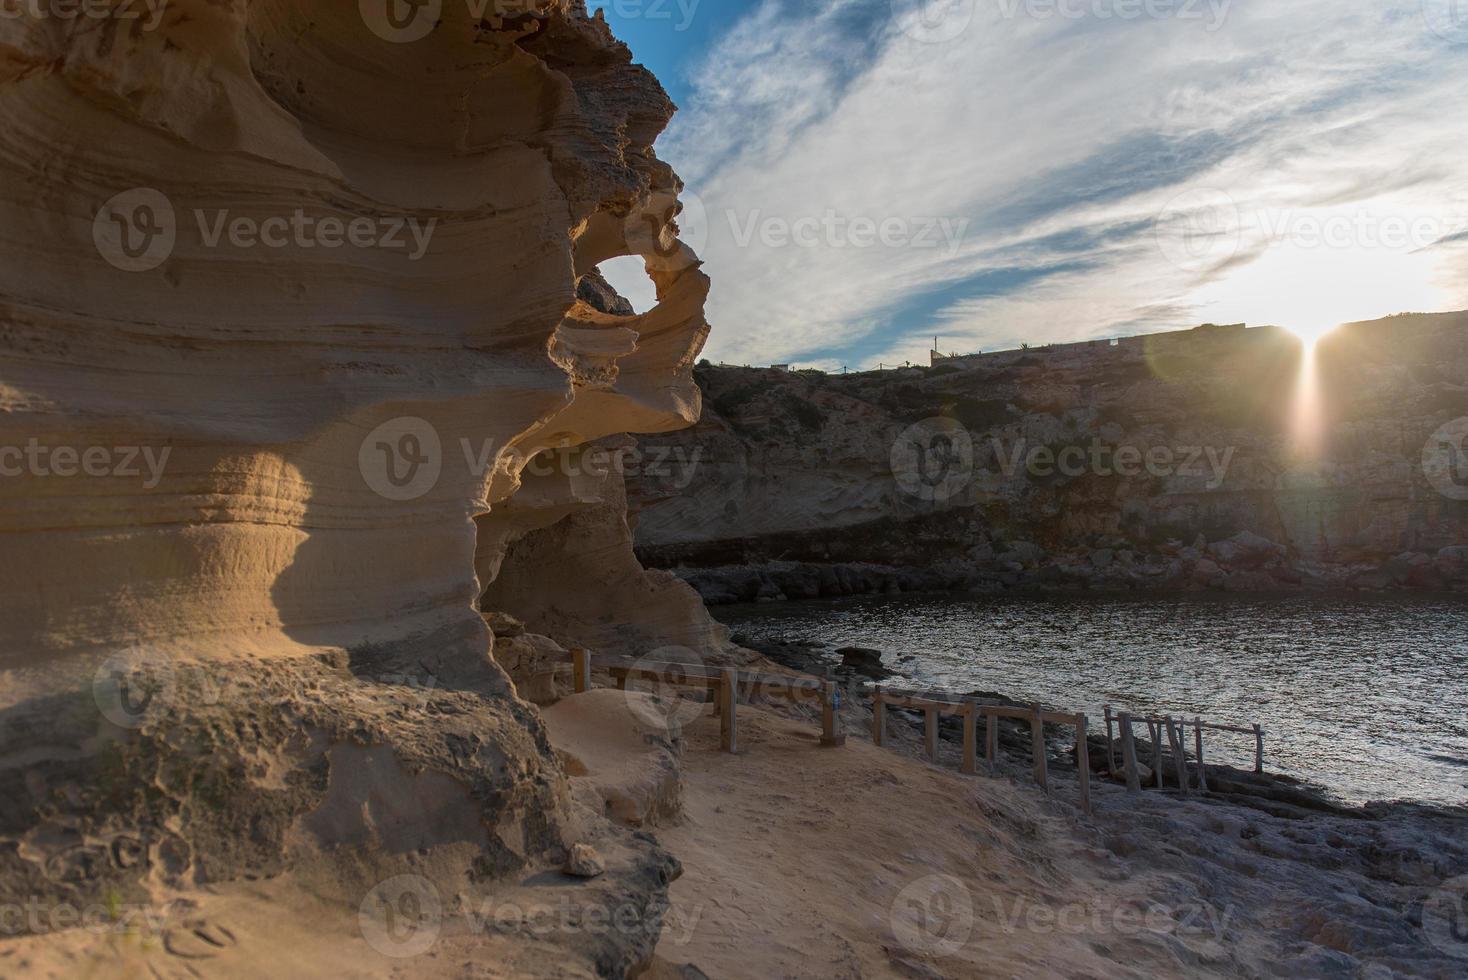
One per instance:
[(802, 861), (847, 862)]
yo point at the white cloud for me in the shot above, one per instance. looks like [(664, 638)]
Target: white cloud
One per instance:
[(1055, 143)]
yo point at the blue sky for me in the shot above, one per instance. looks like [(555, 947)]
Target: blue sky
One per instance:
[(865, 174), (671, 36)]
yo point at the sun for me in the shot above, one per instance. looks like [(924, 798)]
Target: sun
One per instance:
[(1311, 291), (1311, 332)]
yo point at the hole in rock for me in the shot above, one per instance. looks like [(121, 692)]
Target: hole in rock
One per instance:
[(627, 278)]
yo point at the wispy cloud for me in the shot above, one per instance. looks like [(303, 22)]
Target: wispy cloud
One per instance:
[(866, 179)]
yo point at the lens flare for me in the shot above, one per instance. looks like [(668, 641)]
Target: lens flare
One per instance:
[(1308, 422)]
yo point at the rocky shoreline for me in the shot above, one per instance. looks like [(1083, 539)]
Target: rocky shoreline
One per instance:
[(1244, 563), (1341, 891)]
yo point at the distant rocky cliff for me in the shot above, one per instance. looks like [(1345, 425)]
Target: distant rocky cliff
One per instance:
[(1175, 462)]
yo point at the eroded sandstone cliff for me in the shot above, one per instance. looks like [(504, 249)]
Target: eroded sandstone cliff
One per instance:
[(288, 305), (1179, 461)]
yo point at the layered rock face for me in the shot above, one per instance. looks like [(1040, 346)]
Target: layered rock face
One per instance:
[(1201, 459), (290, 304)]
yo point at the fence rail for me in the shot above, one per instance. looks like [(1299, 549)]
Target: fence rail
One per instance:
[(728, 684), (1176, 732)]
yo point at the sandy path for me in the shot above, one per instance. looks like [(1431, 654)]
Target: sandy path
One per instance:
[(860, 862)]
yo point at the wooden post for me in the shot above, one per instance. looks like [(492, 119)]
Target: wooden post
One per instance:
[(970, 763), (1198, 744), (1129, 754), (879, 717), (1259, 749), (728, 718), (991, 738), (1179, 757), (1083, 762), (930, 742), (831, 733), (1155, 728), (1037, 740), (580, 670), (1110, 745)]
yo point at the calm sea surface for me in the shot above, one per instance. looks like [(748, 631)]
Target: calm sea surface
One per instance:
[(1366, 695)]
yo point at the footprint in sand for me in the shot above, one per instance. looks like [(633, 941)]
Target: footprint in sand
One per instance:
[(198, 939)]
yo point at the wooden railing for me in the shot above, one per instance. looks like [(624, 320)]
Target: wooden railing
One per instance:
[(727, 684), (1176, 730), (970, 711)]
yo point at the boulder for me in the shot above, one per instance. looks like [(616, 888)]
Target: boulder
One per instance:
[(1208, 573), (864, 661), (503, 625), (535, 664), (584, 862), (1246, 549), (1024, 553)]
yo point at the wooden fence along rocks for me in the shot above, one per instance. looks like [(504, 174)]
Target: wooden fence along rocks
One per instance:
[(1175, 730), (727, 685)]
